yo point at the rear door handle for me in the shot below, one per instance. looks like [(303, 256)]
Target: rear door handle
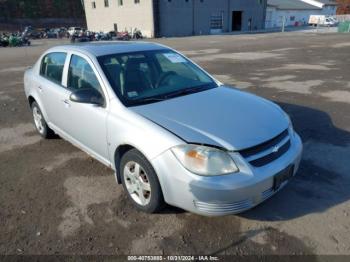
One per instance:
[(40, 88)]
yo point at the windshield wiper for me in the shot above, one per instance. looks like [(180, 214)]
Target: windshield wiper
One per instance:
[(178, 93), (147, 100), (165, 97), (186, 91), (152, 99)]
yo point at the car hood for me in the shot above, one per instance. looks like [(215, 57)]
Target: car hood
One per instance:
[(222, 116)]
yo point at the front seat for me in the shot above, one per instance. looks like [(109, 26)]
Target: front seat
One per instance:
[(136, 81)]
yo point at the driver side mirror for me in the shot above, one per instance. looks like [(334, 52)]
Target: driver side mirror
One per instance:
[(87, 96)]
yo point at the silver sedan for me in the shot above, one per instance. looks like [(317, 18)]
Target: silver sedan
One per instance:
[(172, 133)]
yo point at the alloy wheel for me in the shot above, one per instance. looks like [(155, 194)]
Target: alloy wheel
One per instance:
[(137, 183), (38, 119)]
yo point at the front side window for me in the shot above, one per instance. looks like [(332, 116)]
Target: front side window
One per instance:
[(81, 75), (150, 76), (52, 66)]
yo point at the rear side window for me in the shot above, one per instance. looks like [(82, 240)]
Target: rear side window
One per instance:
[(52, 66), (81, 75)]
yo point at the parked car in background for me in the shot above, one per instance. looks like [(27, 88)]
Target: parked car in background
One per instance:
[(74, 30), (334, 19), (52, 33), (171, 132), (32, 33), (322, 20)]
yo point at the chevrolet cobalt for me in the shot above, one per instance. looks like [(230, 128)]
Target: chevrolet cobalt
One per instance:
[(172, 133)]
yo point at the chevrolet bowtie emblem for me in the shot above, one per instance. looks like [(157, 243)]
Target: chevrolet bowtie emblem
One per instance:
[(275, 149)]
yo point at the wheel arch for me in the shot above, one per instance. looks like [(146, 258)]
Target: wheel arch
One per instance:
[(118, 154), (32, 98)]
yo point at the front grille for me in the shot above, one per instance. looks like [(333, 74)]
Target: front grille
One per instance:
[(268, 151)]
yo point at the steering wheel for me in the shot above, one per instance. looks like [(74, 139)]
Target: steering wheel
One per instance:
[(164, 77)]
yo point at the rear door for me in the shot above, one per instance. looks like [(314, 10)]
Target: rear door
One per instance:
[(53, 93)]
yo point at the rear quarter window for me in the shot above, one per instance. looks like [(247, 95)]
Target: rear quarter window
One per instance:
[(52, 66)]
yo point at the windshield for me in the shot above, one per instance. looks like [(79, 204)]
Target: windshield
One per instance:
[(150, 76)]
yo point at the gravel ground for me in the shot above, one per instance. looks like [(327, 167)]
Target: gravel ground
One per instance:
[(54, 199)]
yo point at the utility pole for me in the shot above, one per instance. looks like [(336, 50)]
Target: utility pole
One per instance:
[(193, 12), (229, 16), (283, 23)]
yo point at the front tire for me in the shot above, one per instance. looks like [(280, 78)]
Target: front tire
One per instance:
[(40, 122), (140, 182)]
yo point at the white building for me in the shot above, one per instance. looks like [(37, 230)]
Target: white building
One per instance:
[(175, 17), (296, 12)]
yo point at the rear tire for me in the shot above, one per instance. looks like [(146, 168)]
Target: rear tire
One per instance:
[(40, 122), (140, 182)]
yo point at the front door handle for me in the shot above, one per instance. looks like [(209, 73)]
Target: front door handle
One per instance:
[(66, 103)]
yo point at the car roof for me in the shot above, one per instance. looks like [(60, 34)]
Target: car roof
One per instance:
[(102, 48)]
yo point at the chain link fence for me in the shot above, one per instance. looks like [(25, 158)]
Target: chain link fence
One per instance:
[(344, 23)]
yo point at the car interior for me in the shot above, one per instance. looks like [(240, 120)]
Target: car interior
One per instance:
[(52, 68), (81, 75), (139, 75)]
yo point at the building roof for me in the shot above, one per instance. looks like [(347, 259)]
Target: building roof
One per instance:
[(327, 2), (111, 47), (291, 5)]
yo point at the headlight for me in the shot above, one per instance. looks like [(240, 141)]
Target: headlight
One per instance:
[(205, 161), (290, 127)]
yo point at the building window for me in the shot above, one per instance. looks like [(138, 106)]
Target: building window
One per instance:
[(120, 2), (216, 21), (136, 1), (93, 4), (106, 3)]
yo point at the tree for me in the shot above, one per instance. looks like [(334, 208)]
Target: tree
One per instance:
[(41, 9), (343, 7)]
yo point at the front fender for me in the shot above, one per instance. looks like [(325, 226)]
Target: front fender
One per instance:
[(125, 127)]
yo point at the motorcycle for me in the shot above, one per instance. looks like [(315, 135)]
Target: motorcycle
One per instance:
[(137, 34), (102, 36), (4, 40), (125, 36), (81, 37), (16, 40)]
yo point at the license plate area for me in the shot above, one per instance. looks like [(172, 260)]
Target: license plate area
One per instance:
[(282, 177)]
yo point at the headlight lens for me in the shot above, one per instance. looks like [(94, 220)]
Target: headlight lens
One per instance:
[(205, 161), (290, 127)]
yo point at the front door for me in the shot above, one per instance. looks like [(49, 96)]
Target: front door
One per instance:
[(236, 20), (86, 123)]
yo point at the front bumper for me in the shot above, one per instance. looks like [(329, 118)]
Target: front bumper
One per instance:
[(222, 195)]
